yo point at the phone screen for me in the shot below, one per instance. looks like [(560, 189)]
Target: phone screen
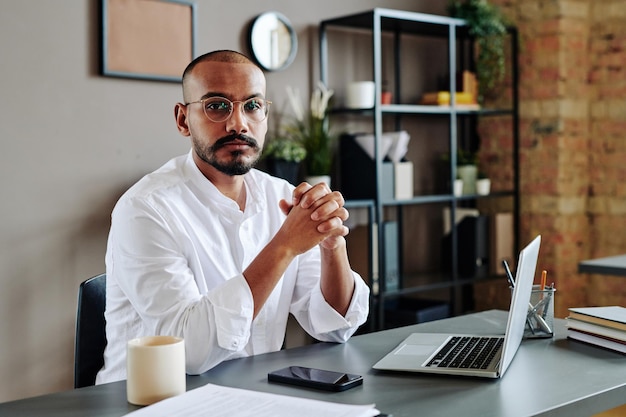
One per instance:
[(315, 378), (311, 374)]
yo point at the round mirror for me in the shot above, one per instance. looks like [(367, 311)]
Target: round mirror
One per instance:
[(273, 41)]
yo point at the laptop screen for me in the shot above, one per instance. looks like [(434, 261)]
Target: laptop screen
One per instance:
[(524, 277)]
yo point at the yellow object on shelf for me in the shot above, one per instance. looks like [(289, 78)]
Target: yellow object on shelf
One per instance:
[(442, 98)]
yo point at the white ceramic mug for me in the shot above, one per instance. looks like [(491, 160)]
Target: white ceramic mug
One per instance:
[(155, 367), (360, 95)]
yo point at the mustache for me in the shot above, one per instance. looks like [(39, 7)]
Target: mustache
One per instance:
[(248, 140)]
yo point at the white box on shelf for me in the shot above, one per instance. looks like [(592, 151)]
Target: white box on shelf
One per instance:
[(502, 241), (403, 180)]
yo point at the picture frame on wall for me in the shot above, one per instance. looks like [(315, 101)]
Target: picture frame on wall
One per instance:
[(147, 39)]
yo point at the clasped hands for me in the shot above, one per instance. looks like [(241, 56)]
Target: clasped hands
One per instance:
[(314, 216)]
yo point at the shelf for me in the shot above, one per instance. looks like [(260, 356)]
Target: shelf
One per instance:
[(443, 269), (423, 109), (423, 199), (432, 282), (399, 21), (446, 198), (496, 194), (359, 204)]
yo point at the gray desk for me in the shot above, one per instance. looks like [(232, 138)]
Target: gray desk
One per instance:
[(548, 377), (612, 265)]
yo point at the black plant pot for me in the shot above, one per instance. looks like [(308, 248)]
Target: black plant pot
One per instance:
[(282, 168)]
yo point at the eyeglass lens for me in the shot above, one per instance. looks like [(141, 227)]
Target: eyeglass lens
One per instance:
[(219, 109)]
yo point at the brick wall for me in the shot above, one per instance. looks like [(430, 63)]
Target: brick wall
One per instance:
[(573, 142)]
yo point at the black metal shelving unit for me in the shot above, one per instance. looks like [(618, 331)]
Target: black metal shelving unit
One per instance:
[(397, 24)]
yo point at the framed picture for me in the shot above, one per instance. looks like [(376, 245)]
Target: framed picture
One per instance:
[(147, 39)]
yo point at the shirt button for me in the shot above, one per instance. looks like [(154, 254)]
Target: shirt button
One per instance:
[(235, 343)]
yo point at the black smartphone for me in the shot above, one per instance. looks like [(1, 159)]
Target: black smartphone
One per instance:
[(315, 378)]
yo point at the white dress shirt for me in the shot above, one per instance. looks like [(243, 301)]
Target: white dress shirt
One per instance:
[(176, 252)]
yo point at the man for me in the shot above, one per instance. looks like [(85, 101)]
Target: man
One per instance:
[(209, 249)]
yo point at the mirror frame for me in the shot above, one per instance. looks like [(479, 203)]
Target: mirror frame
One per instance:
[(292, 35)]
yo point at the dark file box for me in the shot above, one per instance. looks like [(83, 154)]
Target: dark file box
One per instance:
[(357, 172), (473, 247)]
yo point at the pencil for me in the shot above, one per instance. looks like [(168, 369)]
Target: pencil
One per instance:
[(544, 274)]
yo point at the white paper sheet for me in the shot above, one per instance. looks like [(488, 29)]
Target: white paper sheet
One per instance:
[(394, 145), (218, 401), (399, 146), (367, 143)]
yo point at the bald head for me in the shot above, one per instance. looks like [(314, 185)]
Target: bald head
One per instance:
[(226, 56)]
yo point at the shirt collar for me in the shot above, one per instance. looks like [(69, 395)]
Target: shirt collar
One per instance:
[(210, 195)]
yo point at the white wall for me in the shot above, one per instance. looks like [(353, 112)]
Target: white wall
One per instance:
[(73, 141)]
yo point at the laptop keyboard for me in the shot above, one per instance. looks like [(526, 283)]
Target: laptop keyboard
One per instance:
[(467, 352)]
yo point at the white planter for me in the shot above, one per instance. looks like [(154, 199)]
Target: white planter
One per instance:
[(483, 186), (316, 179), (360, 95), (458, 187)]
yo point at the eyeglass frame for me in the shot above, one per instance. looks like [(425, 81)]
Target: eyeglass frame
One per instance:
[(232, 107)]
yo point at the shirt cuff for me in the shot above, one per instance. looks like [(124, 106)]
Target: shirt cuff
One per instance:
[(325, 319), (233, 307)]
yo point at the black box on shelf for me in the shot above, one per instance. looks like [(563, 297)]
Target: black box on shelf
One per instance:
[(473, 247), (357, 172), (406, 311)]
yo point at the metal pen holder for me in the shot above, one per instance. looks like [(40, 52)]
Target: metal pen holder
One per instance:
[(540, 317)]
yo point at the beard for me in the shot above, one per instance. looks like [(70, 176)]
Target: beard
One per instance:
[(237, 163)]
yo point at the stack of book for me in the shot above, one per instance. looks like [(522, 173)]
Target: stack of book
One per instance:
[(600, 326)]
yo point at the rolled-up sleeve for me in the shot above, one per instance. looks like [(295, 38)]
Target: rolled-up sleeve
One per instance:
[(233, 307), (330, 326), (315, 315)]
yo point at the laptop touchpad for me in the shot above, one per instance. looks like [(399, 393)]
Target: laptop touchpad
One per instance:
[(416, 350)]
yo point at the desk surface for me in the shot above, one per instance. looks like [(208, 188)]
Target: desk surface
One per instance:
[(612, 265), (548, 377)]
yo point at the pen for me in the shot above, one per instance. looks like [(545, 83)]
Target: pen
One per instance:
[(545, 307), (531, 310), (544, 274), (509, 276)]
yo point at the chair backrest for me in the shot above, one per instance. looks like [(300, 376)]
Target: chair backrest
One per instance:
[(90, 331)]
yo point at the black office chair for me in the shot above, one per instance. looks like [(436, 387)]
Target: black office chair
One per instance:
[(90, 332)]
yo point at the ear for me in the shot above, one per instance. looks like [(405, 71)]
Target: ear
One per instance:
[(180, 114)]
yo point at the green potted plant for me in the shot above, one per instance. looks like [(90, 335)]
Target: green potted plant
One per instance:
[(466, 169), (312, 131), (283, 156), (488, 26), (464, 157)]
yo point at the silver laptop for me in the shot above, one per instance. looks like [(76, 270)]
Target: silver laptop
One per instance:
[(466, 354)]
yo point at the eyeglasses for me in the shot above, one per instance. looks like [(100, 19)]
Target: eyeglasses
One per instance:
[(219, 109)]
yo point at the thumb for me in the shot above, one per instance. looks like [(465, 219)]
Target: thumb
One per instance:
[(285, 207)]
